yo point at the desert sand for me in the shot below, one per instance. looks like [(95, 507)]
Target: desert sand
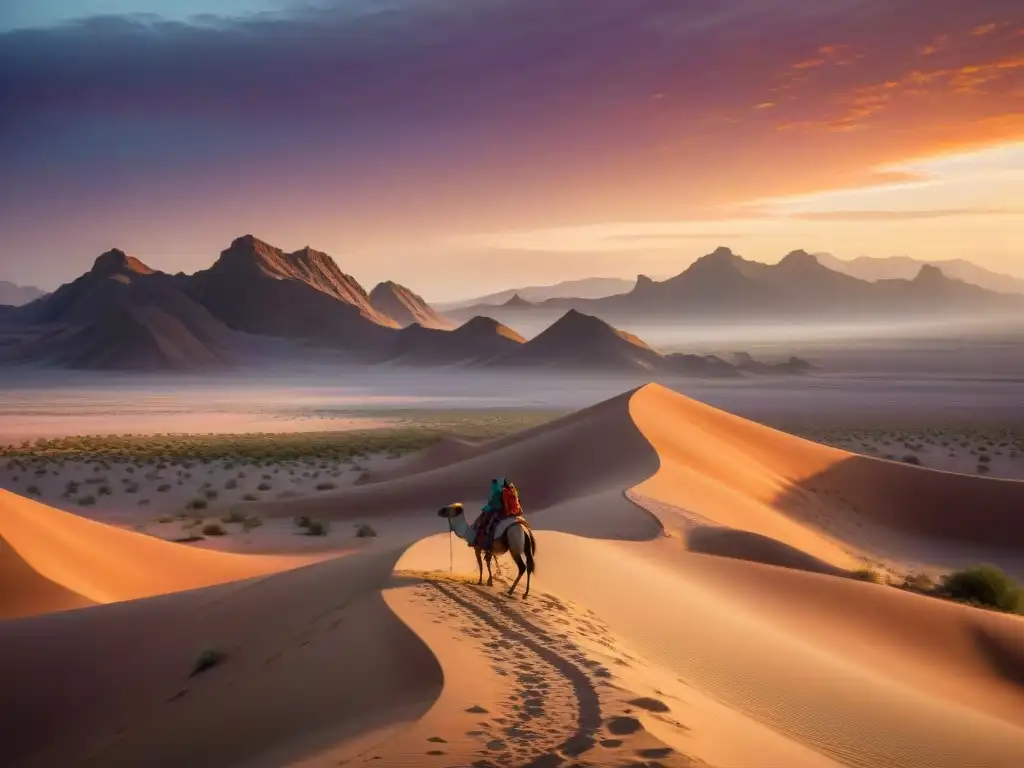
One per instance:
[(690, 606)]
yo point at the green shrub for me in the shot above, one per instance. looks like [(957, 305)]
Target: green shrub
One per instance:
[(919, 582), (983, 585)]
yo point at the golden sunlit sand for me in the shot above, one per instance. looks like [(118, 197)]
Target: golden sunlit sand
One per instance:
[(691, 605)]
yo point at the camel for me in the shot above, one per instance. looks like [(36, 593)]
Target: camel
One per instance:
[(518, 540)]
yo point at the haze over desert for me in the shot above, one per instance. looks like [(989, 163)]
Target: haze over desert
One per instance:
[(511, 384)]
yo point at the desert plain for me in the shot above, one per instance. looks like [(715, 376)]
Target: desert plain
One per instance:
[(727, 573)]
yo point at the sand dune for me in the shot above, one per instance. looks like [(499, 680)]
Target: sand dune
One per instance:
[(88, 562), (636, 647)]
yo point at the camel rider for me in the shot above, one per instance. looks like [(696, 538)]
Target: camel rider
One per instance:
[(497, 507)]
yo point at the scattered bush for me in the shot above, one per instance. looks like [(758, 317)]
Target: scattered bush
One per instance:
[(326, 486), (263, 487), (86, 501), (163, 488), (33, 490), (210, 494), (983, 585), (233, 517), (197, 504), (317, 528), (364, 531), (208, 659), (911, 459), (866, 574), (165, 519), (143, 502), (303, 522), (213, 529), (250, 497), (984, 458), (918, 582), (251, 522)]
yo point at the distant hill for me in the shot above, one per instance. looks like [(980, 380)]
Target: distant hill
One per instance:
[(14, 295), (577, 340), (405, 307), (906, 268), (480, 340), (587, 288)]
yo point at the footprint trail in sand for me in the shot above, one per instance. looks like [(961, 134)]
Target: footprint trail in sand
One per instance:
[(561, 704)]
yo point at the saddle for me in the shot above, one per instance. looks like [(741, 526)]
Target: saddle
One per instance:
[(485, 526)]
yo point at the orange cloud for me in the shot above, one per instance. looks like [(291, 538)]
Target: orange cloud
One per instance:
[(809, 64), (984, 29)]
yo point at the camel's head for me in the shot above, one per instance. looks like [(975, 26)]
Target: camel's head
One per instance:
[(451, 511)]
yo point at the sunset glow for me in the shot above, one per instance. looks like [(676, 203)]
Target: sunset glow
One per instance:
[(408, 136)]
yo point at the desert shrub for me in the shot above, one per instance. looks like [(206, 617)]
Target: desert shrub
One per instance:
[(208, 659), (364, 531), (250, 497), (326, 486), (163, 488), (911, 459), (197, 504), (263, 487), (983, 585), (86, 501), (303, 522), (165, 519), (131, 488), (230, 485), (213, 529), (866, 574), (233, 517), (251, 522), (143, 502), (984, 458), (34, 490), (317, 528), (984, 469), (918, 582), (210, 494)]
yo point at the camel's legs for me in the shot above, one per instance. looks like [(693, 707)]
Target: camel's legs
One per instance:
[(490, 577), (480, 566), (522, 569)]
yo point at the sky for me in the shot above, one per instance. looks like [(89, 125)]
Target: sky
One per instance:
[(464, 146)]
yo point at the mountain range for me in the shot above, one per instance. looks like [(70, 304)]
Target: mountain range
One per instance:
[(723, 285), (14, 295), (124, 315), (905, 268), (587, 288)]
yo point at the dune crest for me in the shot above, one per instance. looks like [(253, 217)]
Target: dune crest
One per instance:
[(89, 562)]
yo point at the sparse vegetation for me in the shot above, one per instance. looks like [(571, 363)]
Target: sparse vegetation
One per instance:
[(86, 501), (195, 504), (34, 490), (213, 529), (365, 531), (911, 459), (251, 522), (317, 528), (326, 486), (983, 585), (867, 574), (208, 659), (233, 517)]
